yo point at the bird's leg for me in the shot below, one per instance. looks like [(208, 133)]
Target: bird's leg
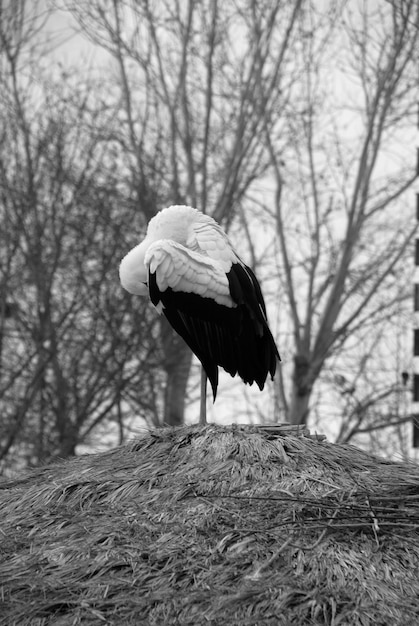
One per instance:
[(203, 406)]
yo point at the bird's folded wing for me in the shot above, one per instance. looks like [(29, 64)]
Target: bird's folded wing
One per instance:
[(208, 238), (185, 271)]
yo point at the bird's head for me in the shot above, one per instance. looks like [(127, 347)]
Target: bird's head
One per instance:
[(171, 223)]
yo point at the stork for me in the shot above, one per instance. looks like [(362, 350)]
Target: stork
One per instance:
[(190, 270)]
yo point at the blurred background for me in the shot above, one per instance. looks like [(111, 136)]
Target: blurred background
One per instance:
[(293, 123)]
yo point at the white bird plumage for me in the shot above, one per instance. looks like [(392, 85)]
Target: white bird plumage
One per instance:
[(187, 271), (189, 268)]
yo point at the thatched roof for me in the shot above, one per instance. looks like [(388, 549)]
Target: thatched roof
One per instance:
[(221, 525)]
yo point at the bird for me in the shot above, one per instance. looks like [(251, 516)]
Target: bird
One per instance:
[(192, 274)]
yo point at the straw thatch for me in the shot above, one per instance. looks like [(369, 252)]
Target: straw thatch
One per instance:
[(219, 525)]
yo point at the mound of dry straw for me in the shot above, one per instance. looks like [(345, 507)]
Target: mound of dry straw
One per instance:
[(244, 525)]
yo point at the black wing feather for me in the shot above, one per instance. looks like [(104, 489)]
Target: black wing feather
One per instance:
[(235, 338)]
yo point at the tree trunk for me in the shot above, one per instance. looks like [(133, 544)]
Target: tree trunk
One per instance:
[(177, 365), (68, 441), (302, 386)]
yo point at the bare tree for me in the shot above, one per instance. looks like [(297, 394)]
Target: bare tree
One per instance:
[(340, 188), (188, 78), (72, 349), (217, 101)]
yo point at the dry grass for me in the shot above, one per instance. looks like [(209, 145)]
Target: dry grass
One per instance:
[(236, 525)]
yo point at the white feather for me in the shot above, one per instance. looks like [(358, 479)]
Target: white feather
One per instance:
[(190, 272), (132, 271), (206, 237), (189, 252)]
